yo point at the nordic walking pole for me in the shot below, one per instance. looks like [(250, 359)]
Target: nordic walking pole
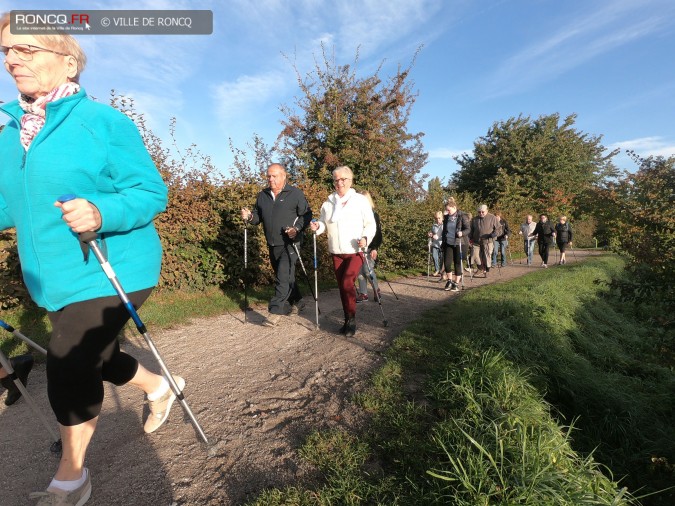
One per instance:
[(371, 275), (390, 287), (7, 366), (309, 283), (499, 266), (89, 238), (470, 262), (461, 263), (302, 264), (316, 282), (428, 259), (245, 270), (18, 334), (56, 445)]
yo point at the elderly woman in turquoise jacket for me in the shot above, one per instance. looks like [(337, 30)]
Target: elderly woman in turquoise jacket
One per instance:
[(57, 141)]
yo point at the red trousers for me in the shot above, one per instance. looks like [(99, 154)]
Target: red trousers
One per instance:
[(347, 267)]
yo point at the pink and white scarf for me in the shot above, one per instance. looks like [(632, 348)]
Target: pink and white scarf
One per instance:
[(34, 118)]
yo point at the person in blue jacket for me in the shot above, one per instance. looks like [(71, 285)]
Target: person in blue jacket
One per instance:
[(57, 141)]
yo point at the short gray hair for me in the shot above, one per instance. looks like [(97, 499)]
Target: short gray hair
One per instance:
[(344, 168)]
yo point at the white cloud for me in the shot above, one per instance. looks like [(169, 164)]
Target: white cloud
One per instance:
[(374, 24), (247, 92), (446, 153), (582, 39), (647, 146)]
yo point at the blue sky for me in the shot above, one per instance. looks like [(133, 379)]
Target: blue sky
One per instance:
[(608, 61)]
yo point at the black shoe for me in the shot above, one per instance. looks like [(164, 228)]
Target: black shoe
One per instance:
[(448, 285), (343, 329), (22, 366), (454, 288), (350, 327)]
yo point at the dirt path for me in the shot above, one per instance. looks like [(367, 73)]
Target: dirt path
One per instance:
[(256, 391)]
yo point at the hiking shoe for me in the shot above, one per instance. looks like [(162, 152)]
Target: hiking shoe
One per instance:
[(350, 325), (454, 288), (57, 497), (159, 409), (448, 285), (361, 297), (272, 320), (297, 307)]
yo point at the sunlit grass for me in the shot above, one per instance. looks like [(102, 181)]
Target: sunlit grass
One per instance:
[(538, 391)]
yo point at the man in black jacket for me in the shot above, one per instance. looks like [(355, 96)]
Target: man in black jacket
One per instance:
[(284, 213), (545, 232)]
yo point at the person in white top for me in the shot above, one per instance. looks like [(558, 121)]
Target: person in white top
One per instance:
[(527, 231), (348, 220)]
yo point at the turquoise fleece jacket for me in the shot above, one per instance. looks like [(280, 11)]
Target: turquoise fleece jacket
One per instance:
[(95, 152)]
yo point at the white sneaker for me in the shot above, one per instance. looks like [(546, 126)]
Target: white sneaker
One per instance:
[(159, 409), (53, 496)]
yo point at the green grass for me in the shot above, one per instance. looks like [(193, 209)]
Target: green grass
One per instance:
[(537, 391)]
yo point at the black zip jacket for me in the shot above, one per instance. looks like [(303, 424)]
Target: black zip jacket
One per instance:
[(544, 232), (289, 209)]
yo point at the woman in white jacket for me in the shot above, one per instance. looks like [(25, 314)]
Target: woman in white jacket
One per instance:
[(350, 224)]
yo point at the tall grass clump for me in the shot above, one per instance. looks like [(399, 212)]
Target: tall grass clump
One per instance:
[(543, 391)]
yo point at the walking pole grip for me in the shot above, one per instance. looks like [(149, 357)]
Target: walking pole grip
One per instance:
[(88, 241)]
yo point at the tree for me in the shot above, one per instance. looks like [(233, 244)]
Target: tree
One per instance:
[(536, 164), (637, 211), (360, 122)]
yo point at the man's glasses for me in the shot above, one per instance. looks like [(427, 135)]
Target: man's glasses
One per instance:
[(342, 180), (24, 52)]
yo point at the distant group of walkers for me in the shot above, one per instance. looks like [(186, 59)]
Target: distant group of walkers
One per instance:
[(483, 241)]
